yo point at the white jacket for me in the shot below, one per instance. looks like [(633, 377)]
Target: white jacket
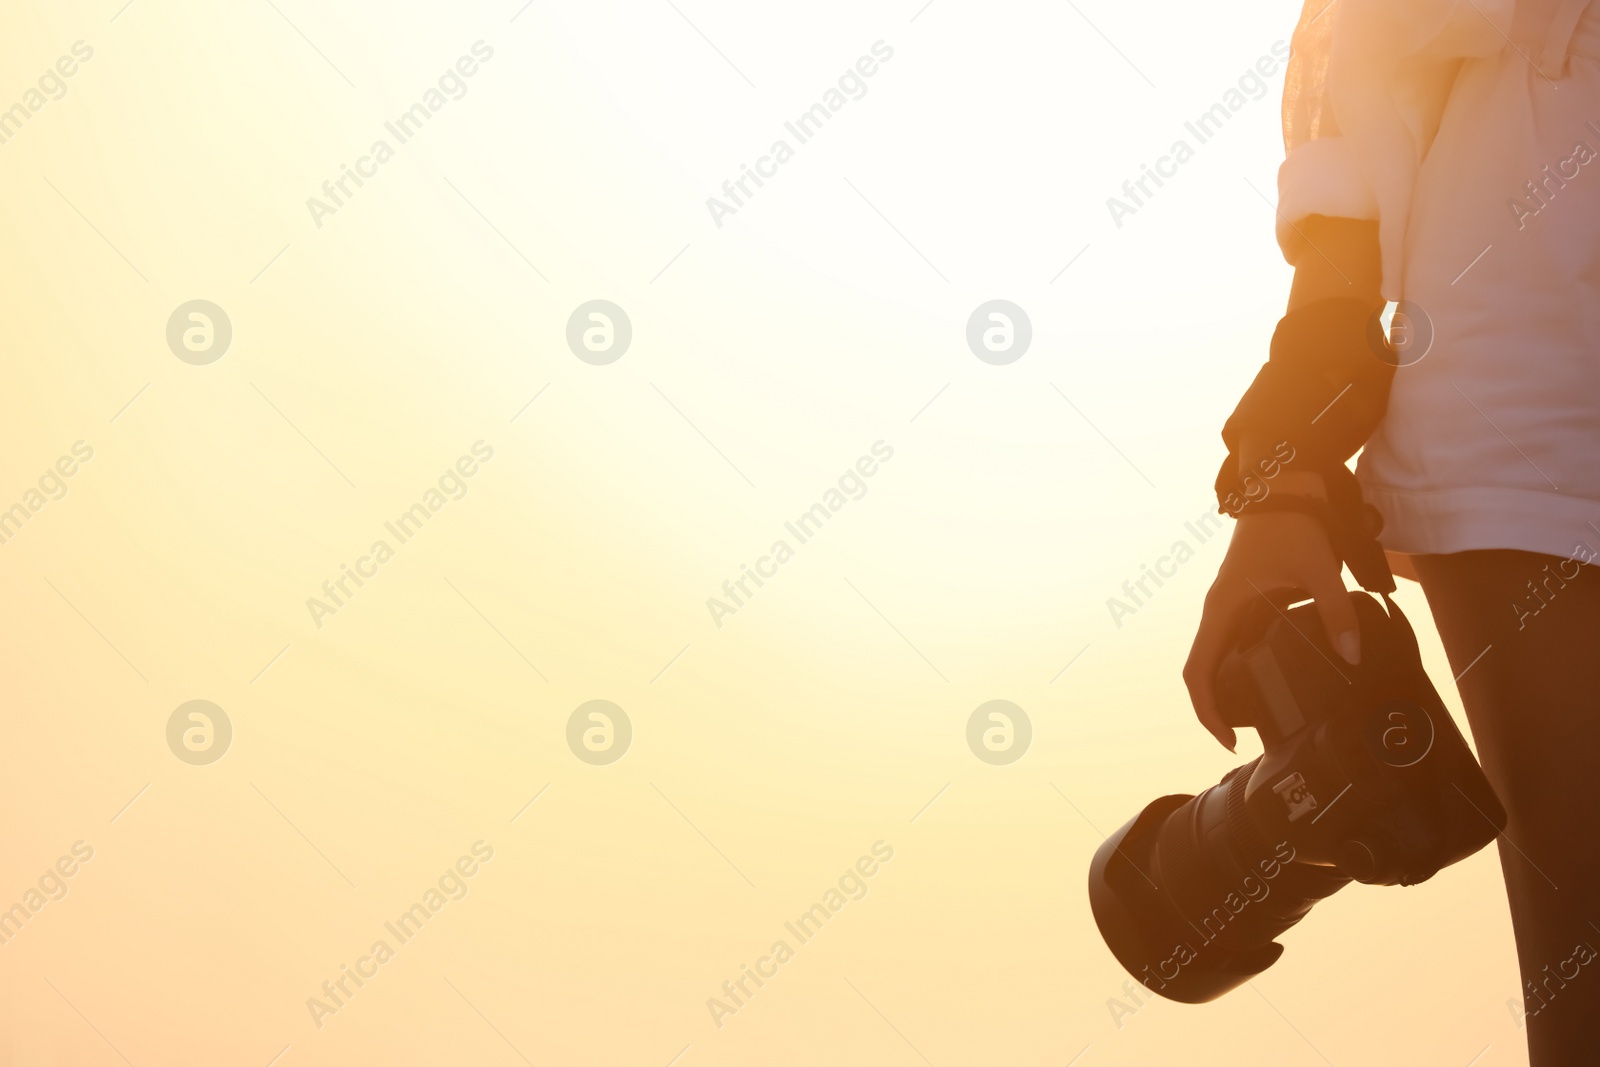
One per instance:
[(1470, 130)]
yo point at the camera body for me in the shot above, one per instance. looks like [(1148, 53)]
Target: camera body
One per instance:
[(1363, 776)]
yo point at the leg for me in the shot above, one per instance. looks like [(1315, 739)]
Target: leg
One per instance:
[(1533, 702)]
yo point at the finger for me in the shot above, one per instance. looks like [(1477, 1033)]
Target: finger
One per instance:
[(1338, 615), (1200, 672), (1202, 694)]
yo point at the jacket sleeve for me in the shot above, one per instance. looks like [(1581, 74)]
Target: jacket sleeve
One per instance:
[(1363, 96)]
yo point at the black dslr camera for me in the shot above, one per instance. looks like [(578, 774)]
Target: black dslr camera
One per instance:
[(1364, 777)]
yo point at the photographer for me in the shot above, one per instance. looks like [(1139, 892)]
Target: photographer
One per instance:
[(1422, 134)]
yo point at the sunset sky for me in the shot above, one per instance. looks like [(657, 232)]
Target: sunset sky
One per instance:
[(389, 334)]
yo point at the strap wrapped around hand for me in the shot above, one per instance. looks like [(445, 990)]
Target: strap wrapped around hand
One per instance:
[(1352, 526)]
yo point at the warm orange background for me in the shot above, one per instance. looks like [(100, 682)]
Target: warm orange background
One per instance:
[(770, 754)]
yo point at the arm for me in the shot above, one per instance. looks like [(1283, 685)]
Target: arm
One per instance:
[(1323, 389), (1274, 551), (1338, 259)]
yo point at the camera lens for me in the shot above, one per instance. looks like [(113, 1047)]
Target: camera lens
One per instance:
[(1190, 898)]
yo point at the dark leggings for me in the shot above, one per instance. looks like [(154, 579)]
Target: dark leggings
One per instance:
[(1531, 700)]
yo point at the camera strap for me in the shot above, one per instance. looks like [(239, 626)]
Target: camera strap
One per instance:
[(1352, 526)]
